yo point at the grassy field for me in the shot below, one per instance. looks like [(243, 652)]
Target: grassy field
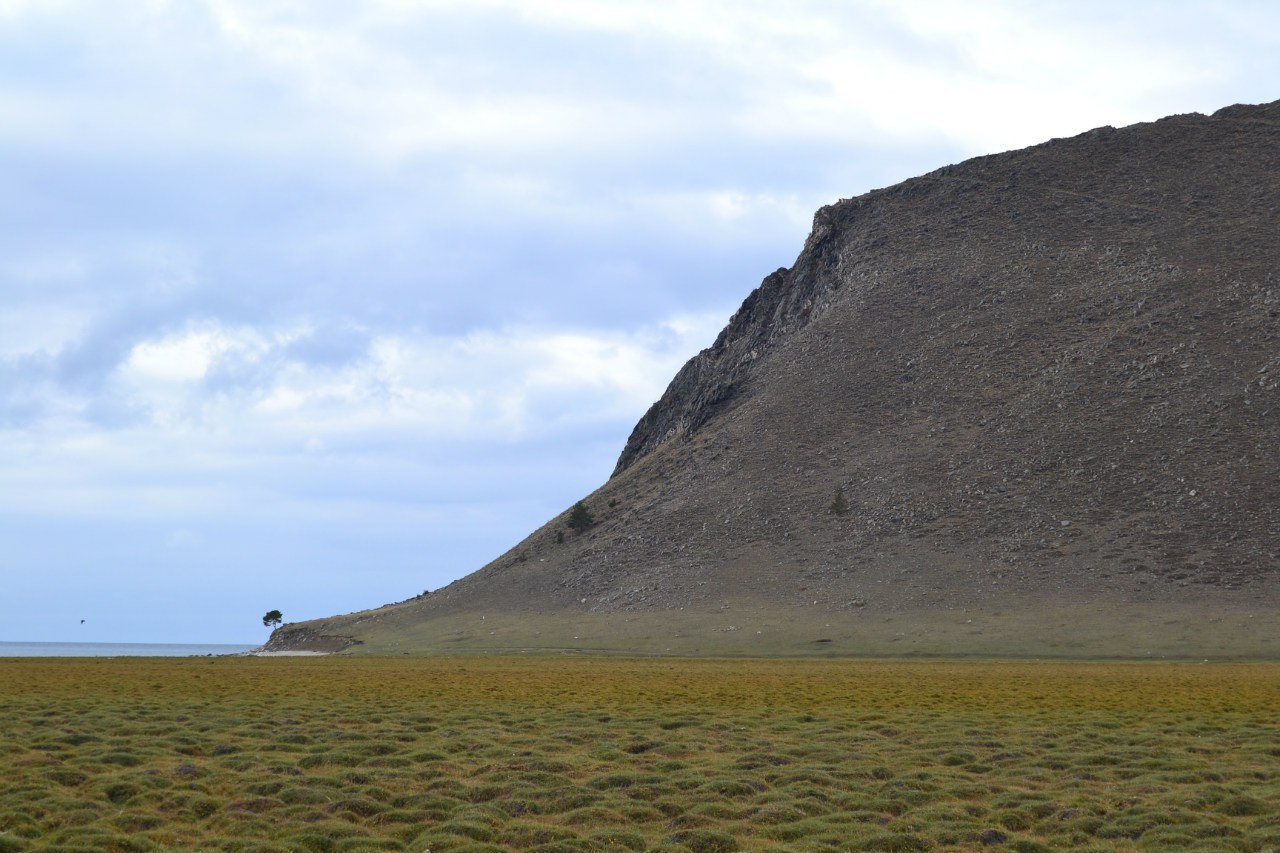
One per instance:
[(562, 754)]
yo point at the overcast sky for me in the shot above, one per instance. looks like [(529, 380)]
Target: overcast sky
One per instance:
[(315, 305)]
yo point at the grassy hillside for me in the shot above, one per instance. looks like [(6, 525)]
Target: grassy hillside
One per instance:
[(1017, 629)]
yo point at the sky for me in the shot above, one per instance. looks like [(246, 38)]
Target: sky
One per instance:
[(313, 306)]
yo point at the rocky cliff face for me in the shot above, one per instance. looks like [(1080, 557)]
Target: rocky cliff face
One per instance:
[(1097, 166), (1046, 383), (782, 303)]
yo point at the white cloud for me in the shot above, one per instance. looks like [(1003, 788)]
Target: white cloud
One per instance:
[(717, 213), (484, 389), (486, 386), (340, 82), (188, 356)]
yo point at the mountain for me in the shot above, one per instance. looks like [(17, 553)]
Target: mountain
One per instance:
[(1044, 383)]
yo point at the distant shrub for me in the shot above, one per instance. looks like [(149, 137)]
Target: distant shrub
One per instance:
[(580, 518), (839, 506)]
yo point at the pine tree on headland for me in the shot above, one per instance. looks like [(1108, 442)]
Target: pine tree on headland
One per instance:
[(839, 506), (580, 518)]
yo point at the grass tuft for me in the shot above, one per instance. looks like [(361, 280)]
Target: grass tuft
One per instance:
[(705, 841)]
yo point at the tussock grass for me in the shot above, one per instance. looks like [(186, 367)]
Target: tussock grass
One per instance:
[(552, 754)]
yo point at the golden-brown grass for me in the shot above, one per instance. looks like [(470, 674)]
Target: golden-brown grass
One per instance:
[(585, 754)]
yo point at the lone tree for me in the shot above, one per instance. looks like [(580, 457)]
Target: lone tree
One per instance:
[(273, 617), (580, 518), (839, 506)]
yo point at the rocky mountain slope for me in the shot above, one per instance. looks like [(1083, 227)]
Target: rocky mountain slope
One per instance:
[(1045, 383)]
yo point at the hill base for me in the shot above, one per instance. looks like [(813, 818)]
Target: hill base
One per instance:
[(1098, 630)]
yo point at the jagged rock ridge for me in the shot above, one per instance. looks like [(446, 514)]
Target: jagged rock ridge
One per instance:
[(786, 298)]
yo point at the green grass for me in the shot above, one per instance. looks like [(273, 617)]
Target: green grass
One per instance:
[(334, 754), (1017, 628)]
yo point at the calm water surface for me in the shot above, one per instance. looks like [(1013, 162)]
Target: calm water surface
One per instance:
[(99, 650)]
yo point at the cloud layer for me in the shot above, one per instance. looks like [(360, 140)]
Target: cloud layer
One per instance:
[(311, 306)]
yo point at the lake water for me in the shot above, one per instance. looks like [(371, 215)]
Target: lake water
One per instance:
[(113, 650)]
